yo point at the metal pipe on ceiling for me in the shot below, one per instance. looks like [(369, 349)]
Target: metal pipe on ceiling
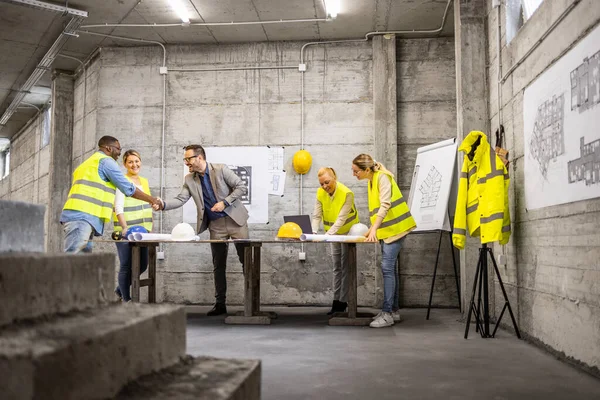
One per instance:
[(46, 62), (231, 23)]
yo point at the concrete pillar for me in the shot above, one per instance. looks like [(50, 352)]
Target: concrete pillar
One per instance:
[(61, 154), (385, 120), (471, 105)]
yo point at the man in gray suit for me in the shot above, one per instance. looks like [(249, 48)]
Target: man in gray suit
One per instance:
[(217, 191)]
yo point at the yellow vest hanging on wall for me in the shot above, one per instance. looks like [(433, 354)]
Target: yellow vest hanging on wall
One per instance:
[(482, 202), (332, 207), (90, 193), (136, 212), (398, 218)]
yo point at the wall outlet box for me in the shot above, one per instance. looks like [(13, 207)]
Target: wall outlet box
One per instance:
[(160, 255), (502, 259), (302, 67), (162, 70), (302, 256)]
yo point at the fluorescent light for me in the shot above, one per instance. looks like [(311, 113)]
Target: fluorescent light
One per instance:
[(180, 10), (333, 8)]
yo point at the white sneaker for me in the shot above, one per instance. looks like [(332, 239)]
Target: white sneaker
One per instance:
[(385, 319), (395, 314)]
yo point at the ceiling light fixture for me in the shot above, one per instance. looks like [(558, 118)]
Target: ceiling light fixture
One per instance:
[(180, 10), (332, 7)]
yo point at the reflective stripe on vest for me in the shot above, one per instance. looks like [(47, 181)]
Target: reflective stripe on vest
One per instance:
[(332, 207), (90, 193), (136, 212), (398, 218)]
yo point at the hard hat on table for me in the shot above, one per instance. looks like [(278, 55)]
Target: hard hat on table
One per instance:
[(289, 230), (183, 232)]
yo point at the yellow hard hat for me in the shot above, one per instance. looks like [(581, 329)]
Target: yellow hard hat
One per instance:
[(290, 230), (302, 161)]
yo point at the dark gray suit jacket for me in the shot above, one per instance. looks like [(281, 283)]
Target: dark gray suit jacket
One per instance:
[(226, 186)]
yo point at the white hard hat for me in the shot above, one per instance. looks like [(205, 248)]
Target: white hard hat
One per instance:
[(358, 230), (183, 232)]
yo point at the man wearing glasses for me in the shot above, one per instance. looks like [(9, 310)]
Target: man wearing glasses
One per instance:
[(217, 191), (92, 196)]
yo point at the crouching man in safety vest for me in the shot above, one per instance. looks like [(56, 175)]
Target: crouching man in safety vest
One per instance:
[(92, 196)]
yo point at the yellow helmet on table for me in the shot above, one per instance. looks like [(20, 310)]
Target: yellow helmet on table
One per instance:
[(289, 230)]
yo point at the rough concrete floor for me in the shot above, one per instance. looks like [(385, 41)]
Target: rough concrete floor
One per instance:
[(304, 358)]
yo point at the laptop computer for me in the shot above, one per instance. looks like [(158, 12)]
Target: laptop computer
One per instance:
[(302, 220)]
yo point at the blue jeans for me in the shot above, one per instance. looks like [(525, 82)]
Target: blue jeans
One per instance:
[(391, 284), (78, 236), (124, 251)]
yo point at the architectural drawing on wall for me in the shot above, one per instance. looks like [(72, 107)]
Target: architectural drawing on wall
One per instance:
[(430, 189), (548, 137), (587, 166), (245, 174), (561, 138), (585, 84)]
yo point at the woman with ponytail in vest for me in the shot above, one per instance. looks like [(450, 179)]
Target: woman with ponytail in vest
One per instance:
[(131, 212), (391, 221), (335, 207)]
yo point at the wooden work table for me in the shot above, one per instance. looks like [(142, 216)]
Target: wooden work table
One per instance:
[(252, 267)]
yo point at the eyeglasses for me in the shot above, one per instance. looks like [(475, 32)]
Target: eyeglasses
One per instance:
[(189, 159)]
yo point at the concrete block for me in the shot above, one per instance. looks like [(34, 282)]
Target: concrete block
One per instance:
[(347, 81), (21, 227), (425, 49), (116, 85), (426, 80), (93, 355), (201, 378), (36, 285), (348, 123), (422, 123), (127, 123)]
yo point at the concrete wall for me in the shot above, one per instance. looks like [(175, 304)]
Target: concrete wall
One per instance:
[(426, 92), (553, 270), (29, 167), (245, 108)]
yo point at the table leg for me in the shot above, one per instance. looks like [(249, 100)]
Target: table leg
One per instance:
[(152, 273), (251, 314), (352, 317), (135, 273)]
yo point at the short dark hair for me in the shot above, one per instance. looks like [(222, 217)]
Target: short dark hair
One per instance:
[(107, 141), (198, 150)]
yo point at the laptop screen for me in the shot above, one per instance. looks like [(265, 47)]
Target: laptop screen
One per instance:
[(302, 220)]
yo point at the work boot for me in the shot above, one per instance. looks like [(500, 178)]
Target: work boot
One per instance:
[(342, 305), (334, 307), (118, 294), (218, 309)]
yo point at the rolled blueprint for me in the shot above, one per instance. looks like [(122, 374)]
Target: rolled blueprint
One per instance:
[(332, 238), (138, 237)]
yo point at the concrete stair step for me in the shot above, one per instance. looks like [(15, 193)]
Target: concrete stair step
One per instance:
[(201, 378), (21, 226), (33, 285), (89, 355)]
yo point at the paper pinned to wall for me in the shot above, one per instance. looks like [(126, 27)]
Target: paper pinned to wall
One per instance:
[(250, 163), (277, 183), (275, 159)]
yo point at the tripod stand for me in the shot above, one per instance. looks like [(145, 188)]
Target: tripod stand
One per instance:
[(482, 317)]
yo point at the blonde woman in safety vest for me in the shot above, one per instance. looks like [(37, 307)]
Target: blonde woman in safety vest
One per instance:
[(335, 207), (131, 212), (391, 221)]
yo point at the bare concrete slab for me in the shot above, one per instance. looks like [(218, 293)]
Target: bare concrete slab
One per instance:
[(202, 378), (21, 226), (90, 355), (38, 284)]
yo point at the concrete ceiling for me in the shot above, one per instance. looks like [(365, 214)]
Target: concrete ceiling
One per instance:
[(27, 33)]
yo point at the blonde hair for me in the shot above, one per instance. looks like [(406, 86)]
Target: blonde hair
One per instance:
[(327, 170), (365, 161), (131, 152)]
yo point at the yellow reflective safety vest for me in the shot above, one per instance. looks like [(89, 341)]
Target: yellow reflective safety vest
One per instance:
[(136, 212), (90, 193), (482, 203), (332, 207), (398, 218)]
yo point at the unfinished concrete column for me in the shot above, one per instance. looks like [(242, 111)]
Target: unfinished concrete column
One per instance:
[(61, 154), (384, 101), (471, 105)]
